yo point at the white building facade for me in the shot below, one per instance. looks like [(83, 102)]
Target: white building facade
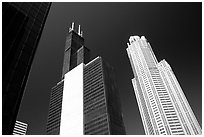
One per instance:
[(20, 128), (72, 102), (162, 103)]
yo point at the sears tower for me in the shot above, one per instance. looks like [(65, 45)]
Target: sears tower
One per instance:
[(86, 100)]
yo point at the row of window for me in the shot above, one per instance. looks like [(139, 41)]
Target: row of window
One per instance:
[(99, 94), (156, 113), (55, 114), (93, 71), (183, 104), (99, 131), (90, 91), (95, 119), (96, 107), (94, 95), (95, 87), (92, 78), (96, 124), (146, 115), (53, 125), (94, 84), (94, 103), (55, 103), (90, 67)]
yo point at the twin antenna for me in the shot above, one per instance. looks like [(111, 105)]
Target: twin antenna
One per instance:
[(79, 30)]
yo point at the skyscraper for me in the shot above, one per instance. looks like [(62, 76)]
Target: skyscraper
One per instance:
[(75, 53), (22, 25), (102, 109), (82, 102), (20, 128), (162, 103)]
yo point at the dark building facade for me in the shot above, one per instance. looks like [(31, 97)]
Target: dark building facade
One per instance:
[(75, 52), (102, 109), (102, 113), (54, 116), (22, 25)]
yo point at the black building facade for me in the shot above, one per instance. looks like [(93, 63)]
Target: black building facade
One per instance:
[(75, 52), (22, 25), (55, 108), (102, 108)]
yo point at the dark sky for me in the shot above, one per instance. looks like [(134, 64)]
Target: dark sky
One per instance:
[(174, 31)]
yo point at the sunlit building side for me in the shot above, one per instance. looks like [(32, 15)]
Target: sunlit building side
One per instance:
[(163, 106)]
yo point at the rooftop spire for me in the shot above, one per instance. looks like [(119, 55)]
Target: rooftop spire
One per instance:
[(72, 28), (79, 30), (72, 25)]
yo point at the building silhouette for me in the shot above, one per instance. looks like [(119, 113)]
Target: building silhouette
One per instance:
[(22, 25), (163, 106), (86, 100), (20, 128)]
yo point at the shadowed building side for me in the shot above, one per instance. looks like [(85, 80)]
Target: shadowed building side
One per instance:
[(102, 109), (113, 100), (55, 108), (96, 120), (22, 25)]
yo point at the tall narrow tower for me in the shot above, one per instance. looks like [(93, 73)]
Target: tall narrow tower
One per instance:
[(86, 100), (75, 53), (162, 103)]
